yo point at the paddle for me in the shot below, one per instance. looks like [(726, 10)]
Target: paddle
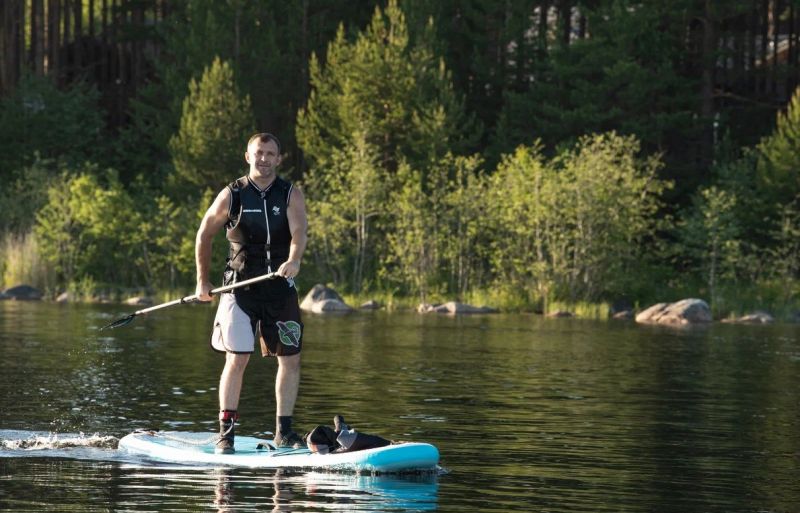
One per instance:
[(124, 321)]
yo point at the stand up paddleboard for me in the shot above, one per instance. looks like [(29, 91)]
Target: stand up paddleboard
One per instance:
[(195, 449)]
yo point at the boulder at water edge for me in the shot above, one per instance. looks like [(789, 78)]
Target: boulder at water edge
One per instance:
[(370, 305), (322, 299), (23, 293), (455, 308), (753, 318), (139, 301), (685, 311)]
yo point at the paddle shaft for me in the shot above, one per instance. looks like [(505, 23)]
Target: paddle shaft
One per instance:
[(218, 290)]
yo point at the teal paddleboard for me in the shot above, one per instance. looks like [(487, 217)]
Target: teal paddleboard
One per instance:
[(196, 449)]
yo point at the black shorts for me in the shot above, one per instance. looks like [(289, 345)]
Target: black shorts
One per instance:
[(269, 312)]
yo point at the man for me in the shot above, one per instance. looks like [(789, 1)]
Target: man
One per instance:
[(265, 221)]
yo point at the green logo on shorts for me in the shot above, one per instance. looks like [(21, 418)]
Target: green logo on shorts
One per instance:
[(289, 333)]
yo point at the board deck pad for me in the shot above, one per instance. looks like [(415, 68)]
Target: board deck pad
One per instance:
[(189, 448)]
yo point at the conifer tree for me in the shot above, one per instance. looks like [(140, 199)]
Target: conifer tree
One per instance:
[(215, 125), (779, 165), (381, 84), (377, 103)]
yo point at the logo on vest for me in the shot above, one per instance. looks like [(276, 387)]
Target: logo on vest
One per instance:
[(276, 211), (289, 333)]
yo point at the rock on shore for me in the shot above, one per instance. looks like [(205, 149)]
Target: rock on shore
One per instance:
[(22, 293), (322, 299), (753, 318), (370, 305), (454, 308), (685, 311)]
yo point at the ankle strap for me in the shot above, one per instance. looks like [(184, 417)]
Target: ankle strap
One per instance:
[(228, 415)]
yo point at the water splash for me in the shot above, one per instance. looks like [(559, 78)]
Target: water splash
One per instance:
[(42, 442)]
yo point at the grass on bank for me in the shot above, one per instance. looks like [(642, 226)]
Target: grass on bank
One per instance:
[(22, 263)]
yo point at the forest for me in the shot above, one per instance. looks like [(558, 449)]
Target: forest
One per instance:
[(520, 153)]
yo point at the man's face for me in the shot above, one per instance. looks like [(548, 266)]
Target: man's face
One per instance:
[(263, 157)]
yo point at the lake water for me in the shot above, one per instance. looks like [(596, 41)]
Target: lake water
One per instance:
[(529, 414)]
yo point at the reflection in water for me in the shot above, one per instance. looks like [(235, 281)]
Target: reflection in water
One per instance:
[(286, 491)]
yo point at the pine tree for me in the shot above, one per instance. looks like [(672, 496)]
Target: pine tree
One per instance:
[(779, 164), (377, 104), (216, 123), (398, 93), (629, 76)]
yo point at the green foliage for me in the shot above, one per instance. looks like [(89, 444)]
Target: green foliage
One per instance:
[(413, 256), (784, 256), (215, 126), (377, 104), (627, 77), (160, 239), (711, 235), (462, 221), (22, 262), (573, 227), (522, 186), (23, 196), (779, 163), (86, 227), (394, 205), (399, 95), (354, 189), (39, 119)]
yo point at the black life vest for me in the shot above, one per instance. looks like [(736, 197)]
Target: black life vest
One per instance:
[(258, 227)]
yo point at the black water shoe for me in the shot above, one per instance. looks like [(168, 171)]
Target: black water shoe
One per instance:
[(227, 422), (288, 440), (339, 424)]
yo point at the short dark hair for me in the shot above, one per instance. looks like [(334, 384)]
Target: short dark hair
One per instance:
[(265, 137)]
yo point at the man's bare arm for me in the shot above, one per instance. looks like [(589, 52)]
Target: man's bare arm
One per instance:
[(215, 218), (298, 226)]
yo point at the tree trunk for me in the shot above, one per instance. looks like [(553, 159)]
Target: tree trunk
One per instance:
[(104, 56), (565, 21), (739, 53), (54, 40), (91, 48), (764, 46), (752, 30), (138, 55), (66, 60), (708, 61), (775, 27), (77, 36), (11, 43), (37, 37), (544, 7), (790, 76)]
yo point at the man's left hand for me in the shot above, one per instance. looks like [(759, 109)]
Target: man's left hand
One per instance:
[(289, 269)]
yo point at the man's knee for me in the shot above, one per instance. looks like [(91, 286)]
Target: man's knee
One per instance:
[(289, 363), (236, 362)]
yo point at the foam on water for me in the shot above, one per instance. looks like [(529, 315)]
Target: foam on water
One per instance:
[(33, 441)]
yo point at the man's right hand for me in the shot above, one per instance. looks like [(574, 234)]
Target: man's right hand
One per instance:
[(202, 291)]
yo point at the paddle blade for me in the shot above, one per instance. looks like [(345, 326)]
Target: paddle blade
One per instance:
[(120, 322)]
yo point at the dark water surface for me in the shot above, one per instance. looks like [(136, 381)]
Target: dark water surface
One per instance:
[(529, 414)]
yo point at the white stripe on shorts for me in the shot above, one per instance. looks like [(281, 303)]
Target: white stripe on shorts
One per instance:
[(232, 330)]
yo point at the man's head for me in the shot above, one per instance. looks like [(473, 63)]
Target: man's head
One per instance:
[(264, 137), (263, 154)]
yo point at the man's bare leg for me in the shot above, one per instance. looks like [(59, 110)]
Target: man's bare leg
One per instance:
[(230, 387), (230, 382), (287, 383)]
